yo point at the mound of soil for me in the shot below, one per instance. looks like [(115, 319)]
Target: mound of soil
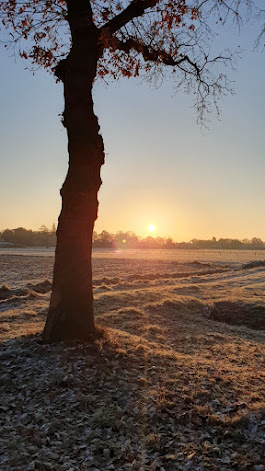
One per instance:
[(42, 287), (254, 264), (237, 313), (7, 293)]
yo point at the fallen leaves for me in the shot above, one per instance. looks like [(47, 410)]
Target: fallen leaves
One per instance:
[(69, 408)]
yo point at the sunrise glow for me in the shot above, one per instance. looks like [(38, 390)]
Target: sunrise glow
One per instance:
[(151, 228)]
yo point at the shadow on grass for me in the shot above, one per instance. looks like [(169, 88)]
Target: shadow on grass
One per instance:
[(238, 313), (119, 404)]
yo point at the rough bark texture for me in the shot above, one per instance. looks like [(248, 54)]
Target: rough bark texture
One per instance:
[(70, 313)]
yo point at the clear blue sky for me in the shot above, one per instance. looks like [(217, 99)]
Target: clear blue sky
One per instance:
[(161, 168)]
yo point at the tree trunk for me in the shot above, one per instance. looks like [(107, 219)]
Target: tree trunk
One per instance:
[(70, 314)]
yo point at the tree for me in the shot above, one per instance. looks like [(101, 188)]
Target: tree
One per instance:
[(79, 40), (18, 236), (257, 243)]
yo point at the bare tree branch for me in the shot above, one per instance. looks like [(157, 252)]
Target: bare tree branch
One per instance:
[(135, 9), (154, 55)]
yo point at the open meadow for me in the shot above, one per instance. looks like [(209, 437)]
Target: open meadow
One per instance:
[(176, 383)]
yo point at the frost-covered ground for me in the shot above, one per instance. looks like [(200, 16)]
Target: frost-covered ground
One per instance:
[(176, 383)]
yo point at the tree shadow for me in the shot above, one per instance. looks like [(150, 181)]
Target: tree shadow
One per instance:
[(124, 402)]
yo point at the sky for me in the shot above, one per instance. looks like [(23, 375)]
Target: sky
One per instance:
[(161, 167)]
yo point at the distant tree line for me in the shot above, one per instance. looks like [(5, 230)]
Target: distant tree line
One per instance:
[(22, 237), (131, 240), (229, 244), (45, 237)]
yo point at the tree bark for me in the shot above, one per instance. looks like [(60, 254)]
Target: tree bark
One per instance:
[(70, 314)]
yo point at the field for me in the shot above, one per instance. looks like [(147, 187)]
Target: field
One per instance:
[(175, 383)]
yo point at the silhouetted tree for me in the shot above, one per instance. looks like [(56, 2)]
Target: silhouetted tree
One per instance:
[(169, 243), (7, 236), (257, 243), (105, 239), (79, 40)]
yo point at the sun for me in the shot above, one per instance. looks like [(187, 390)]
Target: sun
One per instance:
[(151, 227)]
